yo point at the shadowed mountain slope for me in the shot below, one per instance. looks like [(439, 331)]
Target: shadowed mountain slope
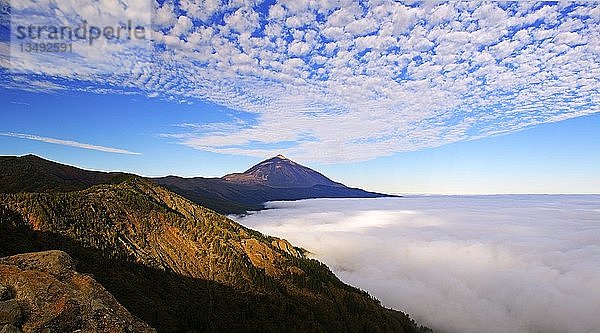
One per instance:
[(31, 173), (180, 267), (277, 178)]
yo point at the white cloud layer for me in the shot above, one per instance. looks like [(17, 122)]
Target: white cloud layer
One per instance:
[(341, 80), (471, 264), (69, 143)]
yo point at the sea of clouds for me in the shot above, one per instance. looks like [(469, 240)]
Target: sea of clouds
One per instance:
[(526, 263)]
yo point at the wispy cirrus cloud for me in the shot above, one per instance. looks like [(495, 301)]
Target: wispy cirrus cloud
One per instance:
[(359, 79), (69, 143)]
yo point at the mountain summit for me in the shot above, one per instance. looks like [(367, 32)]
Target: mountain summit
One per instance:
[(281, 172), (274, 179)]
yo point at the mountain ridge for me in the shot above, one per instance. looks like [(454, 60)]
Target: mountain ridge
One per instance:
[(31, 173), (179, 266), (234, 193)]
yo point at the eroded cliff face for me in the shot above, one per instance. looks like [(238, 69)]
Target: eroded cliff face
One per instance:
[(180, 266), (152, 226), (42, 292)]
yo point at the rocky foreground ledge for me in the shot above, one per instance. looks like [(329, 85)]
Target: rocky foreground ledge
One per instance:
[(41, 292)]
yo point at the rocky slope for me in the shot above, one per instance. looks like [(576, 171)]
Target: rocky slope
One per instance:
[(41, 292), (180, 267)]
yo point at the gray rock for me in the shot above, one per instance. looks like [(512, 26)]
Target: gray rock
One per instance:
[(10, 312), (5, 294), (97, 306), (10, 329)]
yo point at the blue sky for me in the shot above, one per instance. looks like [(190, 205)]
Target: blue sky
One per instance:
[(397, 97)]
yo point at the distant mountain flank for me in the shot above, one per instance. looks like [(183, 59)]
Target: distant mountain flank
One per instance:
[(31, 173), (277, 178)]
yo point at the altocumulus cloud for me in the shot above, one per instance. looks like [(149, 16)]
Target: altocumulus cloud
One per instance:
[(459, 264), (334, 80)]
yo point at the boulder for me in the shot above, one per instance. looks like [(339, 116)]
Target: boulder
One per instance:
[(5, 293), (10, 312), (58, 299), (9, 328)]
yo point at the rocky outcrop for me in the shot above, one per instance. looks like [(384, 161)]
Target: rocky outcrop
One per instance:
[(286, 247), (41, 292)]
